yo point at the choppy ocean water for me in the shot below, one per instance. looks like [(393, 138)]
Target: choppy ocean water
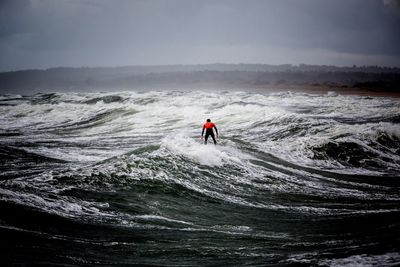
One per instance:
[(123, 178)]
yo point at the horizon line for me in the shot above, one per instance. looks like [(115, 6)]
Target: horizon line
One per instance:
[(203, 64)]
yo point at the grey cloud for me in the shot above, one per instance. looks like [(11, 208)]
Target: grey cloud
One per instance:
[(124, 32)]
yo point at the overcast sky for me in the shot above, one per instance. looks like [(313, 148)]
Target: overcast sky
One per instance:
[(49, 33)]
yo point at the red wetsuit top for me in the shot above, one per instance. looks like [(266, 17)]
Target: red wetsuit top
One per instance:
[(208, 126)]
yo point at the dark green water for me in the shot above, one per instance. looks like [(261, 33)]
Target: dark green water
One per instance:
[(123, 179)]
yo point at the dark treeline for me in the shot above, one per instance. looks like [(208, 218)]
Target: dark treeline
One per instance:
[(200, 76)]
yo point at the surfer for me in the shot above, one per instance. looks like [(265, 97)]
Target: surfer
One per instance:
[(208, 126)]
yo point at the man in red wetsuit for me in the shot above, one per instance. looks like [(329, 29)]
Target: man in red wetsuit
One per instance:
[(208, 126)]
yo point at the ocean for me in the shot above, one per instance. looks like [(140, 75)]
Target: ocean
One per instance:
[(123, 178)]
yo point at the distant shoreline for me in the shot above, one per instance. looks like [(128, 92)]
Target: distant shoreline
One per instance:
[(320, 90), (373, 81)]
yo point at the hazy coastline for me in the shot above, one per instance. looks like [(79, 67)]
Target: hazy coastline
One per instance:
[(372, 81)]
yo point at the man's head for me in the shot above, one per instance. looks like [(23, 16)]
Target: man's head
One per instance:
[(208, 120)]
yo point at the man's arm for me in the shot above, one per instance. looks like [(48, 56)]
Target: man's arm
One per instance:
[(202, 132), (216, 130)]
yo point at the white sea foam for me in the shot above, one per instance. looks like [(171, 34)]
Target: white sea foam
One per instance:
[(363, 260), (64, 207), (193, 149)]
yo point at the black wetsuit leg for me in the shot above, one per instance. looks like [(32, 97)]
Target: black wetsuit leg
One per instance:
[(208, 133), (206, 137)]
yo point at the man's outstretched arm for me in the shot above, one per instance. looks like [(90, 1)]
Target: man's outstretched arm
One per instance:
[(202, 132), (216, 130)]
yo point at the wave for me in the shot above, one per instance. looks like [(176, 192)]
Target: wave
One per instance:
[(376, 149), (105, 99), (352, 154), (8, 153), (95, 120)]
